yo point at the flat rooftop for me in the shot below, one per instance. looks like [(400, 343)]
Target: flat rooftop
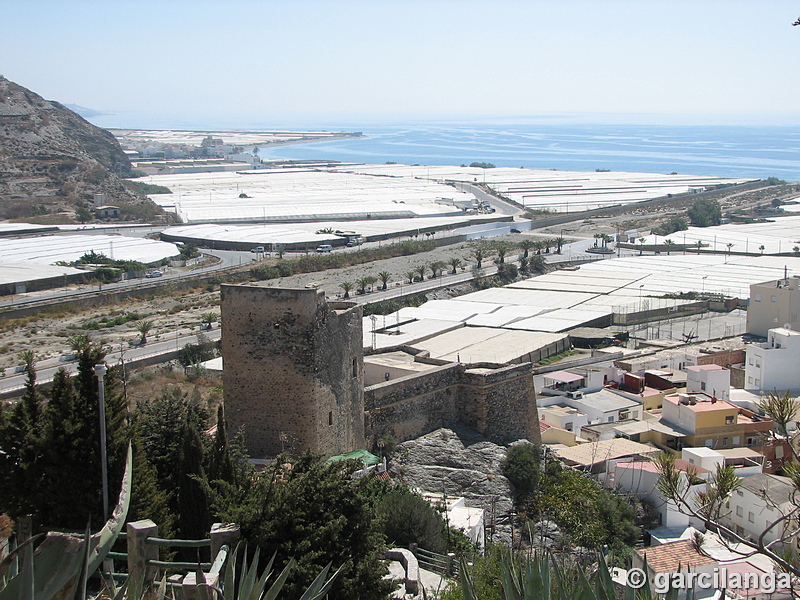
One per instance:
[(486, 344)]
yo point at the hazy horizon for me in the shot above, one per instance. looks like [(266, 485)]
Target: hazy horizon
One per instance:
[(357, 61)]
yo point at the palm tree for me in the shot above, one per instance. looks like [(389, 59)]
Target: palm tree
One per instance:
[(78, 343), (668, 244), (479, 253), (559, 244), (526, 246), (454, 263), (143, 327), (642, 241), (208, 319), (729, 245), (762, 248), (410, 275), (346, 286), (370, 281), (436, 267), (362, 284), (420, 271), (796, 250), (537, 263), (502, 249), (384, 276)]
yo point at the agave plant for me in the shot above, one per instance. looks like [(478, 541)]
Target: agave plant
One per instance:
[(542, 578)]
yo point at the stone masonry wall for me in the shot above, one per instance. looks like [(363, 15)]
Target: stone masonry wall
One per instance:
[(500, 403), (411, 406), (497, 403), (285, 352)]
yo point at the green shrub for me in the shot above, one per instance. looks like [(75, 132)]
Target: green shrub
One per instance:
[(521, 466)]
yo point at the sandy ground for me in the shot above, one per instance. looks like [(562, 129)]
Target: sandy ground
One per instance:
[(48, 334)]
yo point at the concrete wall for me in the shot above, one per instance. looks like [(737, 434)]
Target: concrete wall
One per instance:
[(293, 375)]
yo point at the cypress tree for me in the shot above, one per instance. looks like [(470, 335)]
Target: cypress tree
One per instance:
[(194, 518), (220, 464)]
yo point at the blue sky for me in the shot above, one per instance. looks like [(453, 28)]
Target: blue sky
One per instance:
[(340, 60)]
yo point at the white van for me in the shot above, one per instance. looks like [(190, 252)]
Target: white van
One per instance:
[(324, 248)]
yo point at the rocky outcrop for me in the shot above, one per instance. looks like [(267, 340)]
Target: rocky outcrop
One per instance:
[(52, 160), (459, 463)]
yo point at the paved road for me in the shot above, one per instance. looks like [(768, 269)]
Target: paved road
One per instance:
[(502, 206), (170, 342)]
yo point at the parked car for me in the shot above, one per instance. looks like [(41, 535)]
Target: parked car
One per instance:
[(357, 241), (324, 248), (152, 274), (257, 249)]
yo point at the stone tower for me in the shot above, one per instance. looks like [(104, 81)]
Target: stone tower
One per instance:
[(293, 373)]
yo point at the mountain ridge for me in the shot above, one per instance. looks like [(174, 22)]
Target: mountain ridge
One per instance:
[(53, 161)]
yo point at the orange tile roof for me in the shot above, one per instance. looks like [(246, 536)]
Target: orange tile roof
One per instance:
[(668, 558)]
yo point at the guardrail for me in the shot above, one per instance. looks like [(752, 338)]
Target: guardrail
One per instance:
[(144, 563), (444, 564)]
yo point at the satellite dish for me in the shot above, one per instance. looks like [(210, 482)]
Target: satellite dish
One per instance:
[(787, 325)]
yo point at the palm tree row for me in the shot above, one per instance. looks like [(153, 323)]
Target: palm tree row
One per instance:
[(419, 273), (479, 252)]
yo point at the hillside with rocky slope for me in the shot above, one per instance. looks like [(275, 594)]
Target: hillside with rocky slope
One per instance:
[(52, 161)]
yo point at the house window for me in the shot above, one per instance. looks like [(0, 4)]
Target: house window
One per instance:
[(758, 382), (725, 442), (749, 380), (736, 441), (757, 298), (774, 298), (624, 414), (738, 511), (611, 419), (758, 365), (730, 420), (751, 441), (740, 493), (750, 516), (355, 367), (703, 385), (709, 443), (751, 361), (568, 426), (330, 417)]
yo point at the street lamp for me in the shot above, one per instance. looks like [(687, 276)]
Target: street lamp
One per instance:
[(704, 284), (100, 372)]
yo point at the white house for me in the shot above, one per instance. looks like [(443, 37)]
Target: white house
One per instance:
[(602, 406), (640, 478), (759, 501), (774, 364), (713, 380)]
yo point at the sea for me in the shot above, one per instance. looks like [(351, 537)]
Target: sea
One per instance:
[(722, 150)]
